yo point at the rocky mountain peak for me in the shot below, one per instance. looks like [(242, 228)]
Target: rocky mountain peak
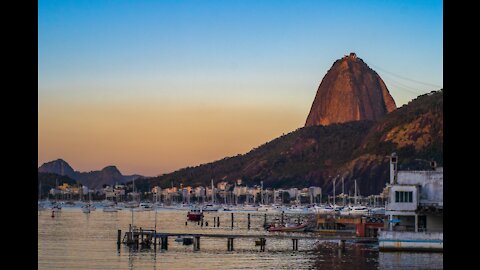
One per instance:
[(350, 91)]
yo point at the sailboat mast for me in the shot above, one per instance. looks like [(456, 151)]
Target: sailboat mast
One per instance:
[(334, 179), (355, 191), (213, 194)]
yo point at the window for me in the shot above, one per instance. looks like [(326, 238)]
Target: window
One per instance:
[(404, 196)]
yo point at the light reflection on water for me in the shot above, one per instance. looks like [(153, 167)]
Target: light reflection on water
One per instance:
[(74, 240)]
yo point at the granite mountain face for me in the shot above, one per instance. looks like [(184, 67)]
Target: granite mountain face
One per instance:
[(350, 91)]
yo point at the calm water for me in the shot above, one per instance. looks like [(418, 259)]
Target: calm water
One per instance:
[(74, 240)]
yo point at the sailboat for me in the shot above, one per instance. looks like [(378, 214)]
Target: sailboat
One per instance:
[(56, 207), (41, 207), (87, 208)]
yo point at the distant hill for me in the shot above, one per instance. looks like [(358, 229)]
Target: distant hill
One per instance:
[(59, 166), (314, 155), (93, 179)]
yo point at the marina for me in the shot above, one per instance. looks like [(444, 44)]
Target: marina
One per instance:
[(72, 235)]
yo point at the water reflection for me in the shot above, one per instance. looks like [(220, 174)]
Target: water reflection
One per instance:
[(354, 256), (74, 240)]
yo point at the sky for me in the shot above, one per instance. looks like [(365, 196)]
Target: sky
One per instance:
[(155, 86)]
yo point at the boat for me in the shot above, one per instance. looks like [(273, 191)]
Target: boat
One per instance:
[(345, 211), (184, 240), (56, 207), (296, 209), (249, 207), (131, 204), (325, 210), (146, 206), (263, 208), (87, 208), (194, 214), (210, 208), (289, 227), (377, 211), (110, 209), (359, 210)]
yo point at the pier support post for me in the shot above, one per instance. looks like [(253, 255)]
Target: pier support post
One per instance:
[(196, 243), (164, 242), (119, 237), (248, 222), (230, 244), (295, 244), (218, 222), (155, 241), (342, 245), (262, 244), (283, 212), (232, 220), (214, 221)]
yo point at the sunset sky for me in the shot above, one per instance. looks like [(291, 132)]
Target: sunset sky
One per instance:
[(154, 86)]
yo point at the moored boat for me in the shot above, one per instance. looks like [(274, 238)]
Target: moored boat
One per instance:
[(194, 215), (289, 227)]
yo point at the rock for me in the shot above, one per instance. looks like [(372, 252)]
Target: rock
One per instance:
[(350, 91)]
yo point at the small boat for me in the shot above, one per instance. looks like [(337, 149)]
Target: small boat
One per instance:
[(110, 209), (289, 227), (194, 215), (184, 240), (86, 208), (146, 207), (210, 208), (359, 210), (249, 207), (56, 207)]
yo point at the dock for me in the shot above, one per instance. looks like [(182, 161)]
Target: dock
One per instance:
[(145, 238)]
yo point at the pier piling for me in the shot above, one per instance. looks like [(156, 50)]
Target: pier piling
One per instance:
[(164, 242), (342, 245), (262, 244), (119, 238), (230, 244), (218, 222), (295, 244), (248, 222), (196, 243)]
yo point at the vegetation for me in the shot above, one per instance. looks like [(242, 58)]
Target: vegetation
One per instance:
[(315, 155)]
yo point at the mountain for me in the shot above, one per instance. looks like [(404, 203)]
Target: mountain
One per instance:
[(59, 166), (350, 91), (93, 179), (96, 179), (314, 155)]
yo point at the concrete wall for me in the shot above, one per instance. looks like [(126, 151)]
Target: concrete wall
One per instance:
[(389, 240), (402, 206), (431, 182)]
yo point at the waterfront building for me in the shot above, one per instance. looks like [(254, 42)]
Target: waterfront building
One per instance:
[(414, 209)]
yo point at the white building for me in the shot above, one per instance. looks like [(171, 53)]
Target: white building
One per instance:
[(414, 209)]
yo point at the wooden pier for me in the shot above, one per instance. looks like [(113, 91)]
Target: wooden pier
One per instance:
[(139, 237)]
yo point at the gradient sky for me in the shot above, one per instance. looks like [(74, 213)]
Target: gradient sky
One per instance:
[(154, 86)]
